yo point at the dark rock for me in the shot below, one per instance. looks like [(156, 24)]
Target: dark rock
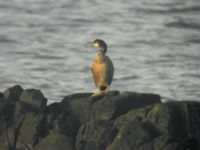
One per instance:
[(114, 121), (27, 128), (30, 130), (105, 107), (56, 142), (162, 118), (95, 135), (55, 108), (172, 146), (1, 95), (60, 120), (131, 136), (13, 93), (191, 119), (190, 144), (34, 98), (110, 107), (78, 105), (6, 115), (170, 119), (162, 142), (63, 123)]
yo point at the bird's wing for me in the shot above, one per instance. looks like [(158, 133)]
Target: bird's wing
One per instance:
[(109, 71)]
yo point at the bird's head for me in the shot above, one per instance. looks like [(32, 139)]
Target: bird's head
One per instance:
[(100, 44)]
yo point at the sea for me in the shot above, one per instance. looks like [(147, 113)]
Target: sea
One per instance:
[(154, 45)]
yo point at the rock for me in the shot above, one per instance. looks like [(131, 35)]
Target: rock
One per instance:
[(130, 136), (31, 129), (95, 135), (1, 95), (63, 123), (114, 121), (60, 120), (162, 142), (78, 105), (56, 142), (105, 107), (27, 128), (163, 118), (13, 93), (167, 119), (190, 144), (110, 107), (34, 98), (191, 119), (55, 108), (6, 115)]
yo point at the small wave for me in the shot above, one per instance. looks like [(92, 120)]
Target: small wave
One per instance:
[(186, 9), (184, 24), (48, 57), (127, 77), (170, 10), (194, 40), (4, 39), (191, 75)]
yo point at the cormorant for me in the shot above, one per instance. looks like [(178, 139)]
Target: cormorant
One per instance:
[(102, 68)]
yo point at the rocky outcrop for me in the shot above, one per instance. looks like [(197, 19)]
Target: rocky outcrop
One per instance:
[(115, 121)]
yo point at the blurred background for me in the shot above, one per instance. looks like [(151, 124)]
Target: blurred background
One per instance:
[(154, 45)]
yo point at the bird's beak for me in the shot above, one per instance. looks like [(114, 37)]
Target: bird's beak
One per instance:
[(91, 43)]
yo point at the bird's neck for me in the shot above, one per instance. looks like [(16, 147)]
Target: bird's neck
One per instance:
[(100, 55), (103, 50)]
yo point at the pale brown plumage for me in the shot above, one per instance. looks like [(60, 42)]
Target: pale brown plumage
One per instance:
[(102, 67), (102, 70)]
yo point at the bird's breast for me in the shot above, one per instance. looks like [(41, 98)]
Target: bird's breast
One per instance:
[(102, 70)]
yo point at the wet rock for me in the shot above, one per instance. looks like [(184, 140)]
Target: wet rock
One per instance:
[(56, 142), (13, 93), (34, 98)]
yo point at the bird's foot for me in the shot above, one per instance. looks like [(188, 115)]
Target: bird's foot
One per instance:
[(100, 92)]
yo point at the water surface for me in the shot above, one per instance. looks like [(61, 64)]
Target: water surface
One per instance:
[(154, 44)]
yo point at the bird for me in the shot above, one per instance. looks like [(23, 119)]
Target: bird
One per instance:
[(102, 68)]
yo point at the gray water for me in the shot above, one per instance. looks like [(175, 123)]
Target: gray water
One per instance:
[(154, 45)]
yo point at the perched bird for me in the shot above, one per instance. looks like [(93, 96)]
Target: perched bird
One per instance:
[(102, 68)]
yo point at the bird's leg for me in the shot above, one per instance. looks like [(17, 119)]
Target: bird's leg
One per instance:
[(98, 92), (107, 90)]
